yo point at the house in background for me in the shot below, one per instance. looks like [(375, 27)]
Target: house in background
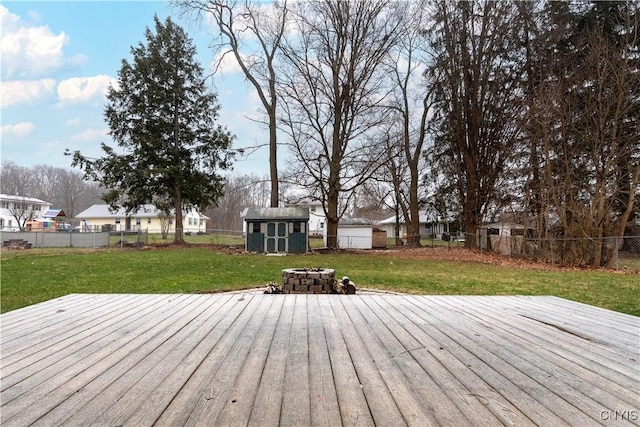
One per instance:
[(147, 217), (317, 217), (276, 230), (16, 211), (429, 226)]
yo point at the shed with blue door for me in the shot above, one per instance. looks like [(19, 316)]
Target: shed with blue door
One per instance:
[(276, 230)]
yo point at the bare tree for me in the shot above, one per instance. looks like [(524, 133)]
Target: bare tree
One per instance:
[(63, 188), (252, 33), (479, 98), (332, 95), (241, 191), (410, 108), (17, 180)]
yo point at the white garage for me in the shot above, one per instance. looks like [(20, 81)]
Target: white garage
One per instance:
[(355, 233)]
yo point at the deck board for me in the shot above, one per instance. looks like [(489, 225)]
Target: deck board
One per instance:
[(326, 360)]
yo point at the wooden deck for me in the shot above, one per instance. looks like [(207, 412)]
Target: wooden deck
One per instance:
[(324, 360)]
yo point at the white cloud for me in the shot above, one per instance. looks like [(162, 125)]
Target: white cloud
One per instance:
[(25, 91), (90, 135), (226, 63), (28, 50), (20, 129), (84, 89), (73, 122)]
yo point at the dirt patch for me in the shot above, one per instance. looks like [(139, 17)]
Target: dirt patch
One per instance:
[(464, 255)]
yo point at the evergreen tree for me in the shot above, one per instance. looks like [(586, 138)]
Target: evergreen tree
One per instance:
[(163, 119)]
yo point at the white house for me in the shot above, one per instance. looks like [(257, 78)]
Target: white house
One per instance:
[(428, 226), (15, 211), (317, 218), (98, 217)]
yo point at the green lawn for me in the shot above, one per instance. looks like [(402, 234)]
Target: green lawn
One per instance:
[(29, 277)]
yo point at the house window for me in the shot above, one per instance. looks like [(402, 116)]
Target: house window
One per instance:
[(256, 227), (117, 220), (137, 221), (148, 220), (5, 205), (201, 221)]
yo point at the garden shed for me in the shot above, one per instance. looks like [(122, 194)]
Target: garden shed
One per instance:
[(276, 230)]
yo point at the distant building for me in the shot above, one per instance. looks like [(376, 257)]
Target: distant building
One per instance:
[(147, 217), (505, 238), (317, 217), (16, 211), (355, 233), (429, 226)]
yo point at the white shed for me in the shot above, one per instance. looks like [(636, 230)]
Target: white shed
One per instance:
[(355, 233)]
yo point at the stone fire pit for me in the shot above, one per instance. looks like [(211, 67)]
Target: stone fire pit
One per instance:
[(308, 281)]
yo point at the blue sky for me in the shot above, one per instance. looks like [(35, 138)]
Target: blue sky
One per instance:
[(59, 57)]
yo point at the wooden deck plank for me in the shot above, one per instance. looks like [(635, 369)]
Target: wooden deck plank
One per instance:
[(60, 323), (582, 386), (181, 370), (564, 403), (122, 395), (38, 379), (501, 376), (238, 359), (266, 408), (325, 409), (429, 347), (610, 363), (223, 379), (195, 393), (85, 376), (615, 330), (433, 385), (78, 335), (243, 393), (296, 405), (354, 409), (382, 406)]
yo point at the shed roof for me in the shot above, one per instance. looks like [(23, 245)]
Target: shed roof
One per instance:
[(53, 213), (275, 213)]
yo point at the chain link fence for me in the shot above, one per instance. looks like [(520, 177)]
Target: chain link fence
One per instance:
[(610, 252)]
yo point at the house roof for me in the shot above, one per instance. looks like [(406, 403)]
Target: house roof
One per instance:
[(424, 218), (275, 213), (102, 211), (505, 225), (22, 199), (355, 222)]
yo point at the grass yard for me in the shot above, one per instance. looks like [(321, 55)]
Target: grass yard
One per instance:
[(29, 277)]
